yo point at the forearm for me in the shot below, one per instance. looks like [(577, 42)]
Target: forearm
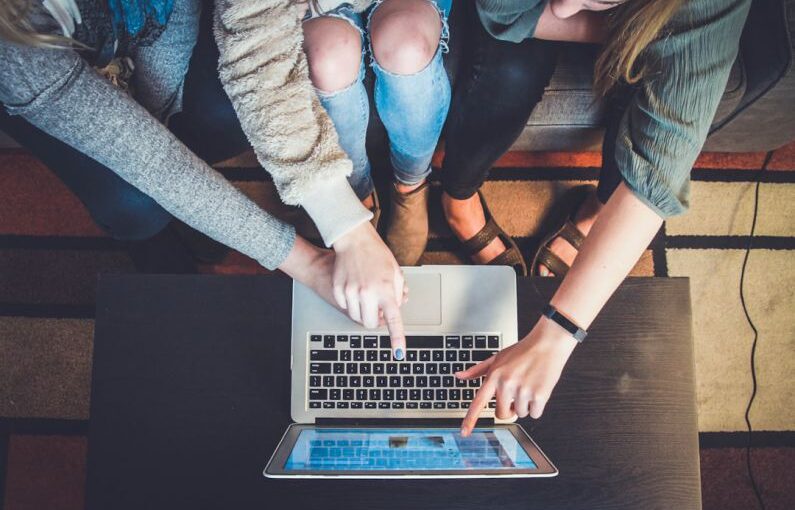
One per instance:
[(623, 230), (583, 27)]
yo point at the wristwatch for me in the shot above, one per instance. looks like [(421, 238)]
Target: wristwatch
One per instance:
[(574, 330)]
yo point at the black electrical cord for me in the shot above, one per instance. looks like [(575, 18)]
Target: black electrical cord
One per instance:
[(748, 246)]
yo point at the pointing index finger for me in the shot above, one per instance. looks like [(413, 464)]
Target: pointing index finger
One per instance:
[(394, 323), (482, 398)]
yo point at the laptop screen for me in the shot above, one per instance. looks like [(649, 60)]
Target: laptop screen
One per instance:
[(406, 449)]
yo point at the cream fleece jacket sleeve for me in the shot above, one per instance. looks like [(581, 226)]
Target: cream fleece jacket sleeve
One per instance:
[(264, 71)]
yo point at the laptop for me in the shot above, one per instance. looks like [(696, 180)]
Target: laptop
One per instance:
[(359, 413)]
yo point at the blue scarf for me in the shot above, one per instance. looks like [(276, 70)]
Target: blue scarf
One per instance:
[(130, 17)]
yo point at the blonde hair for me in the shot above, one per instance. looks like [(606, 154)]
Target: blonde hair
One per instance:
[(15, 27), (632, 27)]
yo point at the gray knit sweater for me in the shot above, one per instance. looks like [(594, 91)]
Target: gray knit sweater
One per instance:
[(264, 70)]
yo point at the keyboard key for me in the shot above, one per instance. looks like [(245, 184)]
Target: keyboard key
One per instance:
[(356, 405), (384, 342), (394, 381), (411, 355), (358, 355), (427, 394), (453, 405), (397, 405), (328, 341), (388, 394), (318, 394), (375, 394), (370, 342), (355, 381), (335, 394), (463, 355), (314, 380), (314, 405), (465, 405), (342, 405), (320, 368), (381, 381), (458, 367), (368, 381), (347, 394), (328, 381), (408, 382), (361, 394), (474, 383), (425, 355), (492, 405), (480, 342), (415, 394), (342, 381), (424, 342), (452, 342), (437, 355), (356, 342), (467, 342), (345, 355), (391, 368), (441, 394), (339, 368), (402, 394), (425, 405), (418, 368), (445, 368), (480, 355), (460, 383), (370, 405), (494, 342), (404, 368), (342, 338), (455, 394), (351, 368), (439, 405), (365, 368), (385, 355), (372, 355), (315, 338), (448, 381), (468, 394), (378, 368), (412, 405), (431, 368), (383, 405), (450, 356), (422, 381)]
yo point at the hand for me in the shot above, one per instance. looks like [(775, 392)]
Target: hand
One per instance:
[(312, 266), (522, 376), (369, 284)]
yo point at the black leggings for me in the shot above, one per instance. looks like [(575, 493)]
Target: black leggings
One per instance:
[(500, 84)]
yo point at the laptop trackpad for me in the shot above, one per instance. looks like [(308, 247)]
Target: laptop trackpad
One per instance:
[(424, 307)]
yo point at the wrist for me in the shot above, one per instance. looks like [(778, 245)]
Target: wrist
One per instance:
[(354, 237), (554, 337), (302, 259)]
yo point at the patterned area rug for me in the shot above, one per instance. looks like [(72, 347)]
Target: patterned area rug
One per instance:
[(51, 252)]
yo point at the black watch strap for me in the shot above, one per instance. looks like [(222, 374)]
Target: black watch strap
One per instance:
[(554, 315)]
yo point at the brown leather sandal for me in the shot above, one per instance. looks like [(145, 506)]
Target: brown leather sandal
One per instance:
[(512, 256), (560, 223)]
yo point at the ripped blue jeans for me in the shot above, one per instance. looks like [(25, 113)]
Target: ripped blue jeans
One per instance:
[(412, 107)]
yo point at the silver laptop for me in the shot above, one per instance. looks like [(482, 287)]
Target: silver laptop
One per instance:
[(360, 413)]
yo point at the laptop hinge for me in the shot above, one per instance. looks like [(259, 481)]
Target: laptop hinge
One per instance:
[(403, 422)]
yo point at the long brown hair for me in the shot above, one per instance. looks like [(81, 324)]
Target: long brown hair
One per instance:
[(632, 27), (15, 27)]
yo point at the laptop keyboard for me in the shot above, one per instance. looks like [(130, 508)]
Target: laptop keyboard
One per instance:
[(358, 371)]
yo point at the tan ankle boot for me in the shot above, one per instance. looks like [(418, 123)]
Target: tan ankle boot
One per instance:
[(407, 231)]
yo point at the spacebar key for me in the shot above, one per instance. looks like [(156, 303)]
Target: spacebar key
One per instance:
[(425, 342)]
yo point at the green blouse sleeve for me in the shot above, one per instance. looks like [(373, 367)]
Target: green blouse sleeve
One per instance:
[(668, 119), (510, 20)]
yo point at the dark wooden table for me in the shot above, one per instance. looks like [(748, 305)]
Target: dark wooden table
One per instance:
[(190, 395)]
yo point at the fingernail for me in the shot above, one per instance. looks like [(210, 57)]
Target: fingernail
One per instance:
[(399, 354)]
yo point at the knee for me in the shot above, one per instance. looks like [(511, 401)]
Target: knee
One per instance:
[(405, 35), (334, 50), (129, 215)]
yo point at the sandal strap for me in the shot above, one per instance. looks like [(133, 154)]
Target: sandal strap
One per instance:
[(486, 235), (554, 263), (510, 257), (572, 234)]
